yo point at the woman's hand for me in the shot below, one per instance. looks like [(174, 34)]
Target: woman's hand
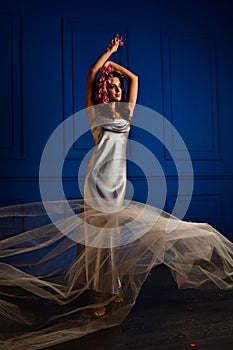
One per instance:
[(114, 44)]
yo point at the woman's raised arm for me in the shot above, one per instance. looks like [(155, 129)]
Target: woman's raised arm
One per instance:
[(132, 81), (91, 79)]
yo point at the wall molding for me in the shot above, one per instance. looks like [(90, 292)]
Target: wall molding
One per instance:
[(209, 207), (169, 177), (11, 143), (188, 70)]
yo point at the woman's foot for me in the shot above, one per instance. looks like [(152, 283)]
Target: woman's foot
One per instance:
[(99, 311), (118, 298)]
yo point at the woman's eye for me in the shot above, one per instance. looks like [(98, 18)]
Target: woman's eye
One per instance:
[(114, 87)]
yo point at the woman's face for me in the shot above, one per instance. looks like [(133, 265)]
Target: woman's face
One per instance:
[(115, 90)]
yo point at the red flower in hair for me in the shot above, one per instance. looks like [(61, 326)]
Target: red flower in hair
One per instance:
[(120, 40)]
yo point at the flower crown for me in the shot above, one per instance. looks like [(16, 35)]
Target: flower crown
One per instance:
[(105, 78)]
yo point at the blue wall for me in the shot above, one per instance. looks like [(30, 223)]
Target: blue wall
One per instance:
[(183, 54)]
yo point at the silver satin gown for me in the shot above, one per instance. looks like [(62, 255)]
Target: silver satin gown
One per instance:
[(104, 191)]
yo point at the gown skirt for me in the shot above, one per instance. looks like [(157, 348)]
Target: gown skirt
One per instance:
[(104, 243)]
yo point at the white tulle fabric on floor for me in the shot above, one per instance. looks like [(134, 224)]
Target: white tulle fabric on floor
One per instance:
[(49, 269), (46, 277)]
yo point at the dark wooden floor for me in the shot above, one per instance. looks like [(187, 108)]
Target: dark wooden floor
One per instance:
[(165, 318)]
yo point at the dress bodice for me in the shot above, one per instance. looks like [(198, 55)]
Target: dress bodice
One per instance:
[(103, 123)]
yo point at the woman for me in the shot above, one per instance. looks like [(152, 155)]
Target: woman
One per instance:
[(105, 180)]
